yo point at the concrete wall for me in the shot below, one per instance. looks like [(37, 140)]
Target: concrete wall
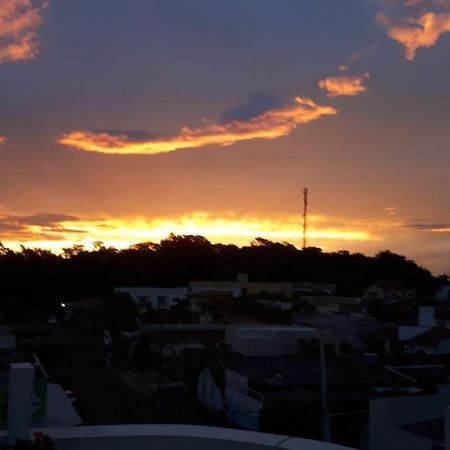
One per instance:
[(175, 437), (388, 413)]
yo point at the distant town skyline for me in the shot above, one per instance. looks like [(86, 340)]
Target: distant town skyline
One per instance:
[(126, 121)]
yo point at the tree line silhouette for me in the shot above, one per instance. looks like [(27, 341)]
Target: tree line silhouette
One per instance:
[(36, 273)]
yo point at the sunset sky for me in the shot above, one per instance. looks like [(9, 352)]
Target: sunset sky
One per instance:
[(125, 120)]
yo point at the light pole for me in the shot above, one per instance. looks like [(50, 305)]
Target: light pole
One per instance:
[(323, 391)]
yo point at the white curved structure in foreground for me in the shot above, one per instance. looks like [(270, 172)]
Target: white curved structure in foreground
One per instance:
[(175, 437)]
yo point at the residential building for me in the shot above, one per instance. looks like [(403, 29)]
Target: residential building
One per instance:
[(246, 387), (338, 327), (242, 286), (267, 340), (436, 341), (434, 316), (443, 293), (384, 290), (137, 437), (156, 297)]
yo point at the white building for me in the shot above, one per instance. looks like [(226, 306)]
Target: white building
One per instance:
[(156, 297), (389, 291)]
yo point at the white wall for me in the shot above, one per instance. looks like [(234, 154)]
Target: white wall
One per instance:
[(388, 413), (208, 392), (234, 292), (157, 297)]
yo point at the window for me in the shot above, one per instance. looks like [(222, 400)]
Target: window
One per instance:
[(162, 302)]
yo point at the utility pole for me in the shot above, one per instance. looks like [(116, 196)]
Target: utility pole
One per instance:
[(305, 215), (323, 391)]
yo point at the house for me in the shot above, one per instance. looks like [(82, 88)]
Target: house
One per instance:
[(314, 289), (383, 339), (267, 340), (242, 287), (156, 297), (135, 436), (333, 304), (338, 327), (443, 293), (387, 291), (434, 316), (435, 341), (250, 386)]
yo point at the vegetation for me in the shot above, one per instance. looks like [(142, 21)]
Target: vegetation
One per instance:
[(293, 417), (46, 342), (40, 442), (39, 277)]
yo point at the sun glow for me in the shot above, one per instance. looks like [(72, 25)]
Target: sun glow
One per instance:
[(226, 228)]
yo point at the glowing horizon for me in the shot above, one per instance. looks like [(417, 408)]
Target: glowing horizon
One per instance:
[(227, 229)]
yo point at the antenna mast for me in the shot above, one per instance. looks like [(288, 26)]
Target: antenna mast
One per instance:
[(305, 215)]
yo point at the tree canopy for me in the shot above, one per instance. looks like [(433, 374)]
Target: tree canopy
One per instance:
[(30, 273)]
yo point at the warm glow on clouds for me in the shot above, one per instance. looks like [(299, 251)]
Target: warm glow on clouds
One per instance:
[(416, 24), (270, 124), (19, 24), (3, 140), (344, 85), (58, 231)]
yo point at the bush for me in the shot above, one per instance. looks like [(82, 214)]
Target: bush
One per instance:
[(40, 442)]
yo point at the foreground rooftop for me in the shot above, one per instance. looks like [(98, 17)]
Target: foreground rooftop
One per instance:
[(175, 437)]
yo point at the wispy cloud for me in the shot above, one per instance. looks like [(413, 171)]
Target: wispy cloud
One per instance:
[(270, 124), (391, 210), (362, 53), (350, 85), (415, 24), (20, 21), (427, 225)]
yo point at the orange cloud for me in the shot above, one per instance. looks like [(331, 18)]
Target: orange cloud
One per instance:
[(344, 85), (270, 124), (3, 140), (416, 24), (20, 21)]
